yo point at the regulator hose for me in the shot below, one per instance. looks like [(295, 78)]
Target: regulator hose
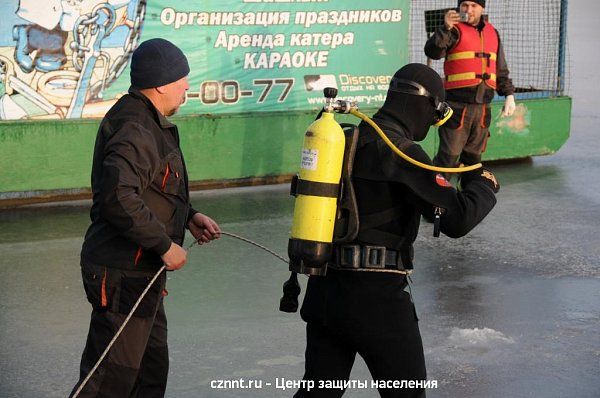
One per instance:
[(404, 156)]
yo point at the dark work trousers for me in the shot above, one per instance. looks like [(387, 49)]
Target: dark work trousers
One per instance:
[(464, 137), (137, 365), (365, 313)]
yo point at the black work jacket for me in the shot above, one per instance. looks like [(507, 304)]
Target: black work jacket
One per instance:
[(392, 193), (140, 188), (443, 40)]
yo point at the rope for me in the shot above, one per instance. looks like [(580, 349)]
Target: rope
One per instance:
[(137, 303), (255, 244)]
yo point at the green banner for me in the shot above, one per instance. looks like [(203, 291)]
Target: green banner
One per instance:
[(70, 59)]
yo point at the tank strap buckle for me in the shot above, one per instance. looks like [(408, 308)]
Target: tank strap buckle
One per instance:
[(348, 256), (373, 257), (370, 257), (356, 256)]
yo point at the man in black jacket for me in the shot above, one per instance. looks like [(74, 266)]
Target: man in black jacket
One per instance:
[(360, 306), (140, 210)]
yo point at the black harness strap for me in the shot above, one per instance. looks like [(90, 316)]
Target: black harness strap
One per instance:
[(313, 188), (376, 219)]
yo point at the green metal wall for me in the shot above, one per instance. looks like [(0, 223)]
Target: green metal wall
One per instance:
[(39, 158)]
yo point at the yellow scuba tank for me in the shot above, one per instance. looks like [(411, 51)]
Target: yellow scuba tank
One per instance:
[(316, 188)]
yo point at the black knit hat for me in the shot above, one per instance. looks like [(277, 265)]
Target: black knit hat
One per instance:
[(480, 2), (157, 62)]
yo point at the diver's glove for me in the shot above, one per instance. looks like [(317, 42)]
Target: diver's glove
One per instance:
[(483, 175)]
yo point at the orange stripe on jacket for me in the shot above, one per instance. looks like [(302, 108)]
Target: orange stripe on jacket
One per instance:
[(138, 255), (103, 299), (164, 181)]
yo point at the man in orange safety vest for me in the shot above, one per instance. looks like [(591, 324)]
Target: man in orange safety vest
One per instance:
[(474, 68)]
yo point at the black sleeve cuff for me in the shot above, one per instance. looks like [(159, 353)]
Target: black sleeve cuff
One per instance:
[(163, 246)]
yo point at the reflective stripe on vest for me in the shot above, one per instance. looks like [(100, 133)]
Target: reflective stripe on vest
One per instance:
[(473, 59)]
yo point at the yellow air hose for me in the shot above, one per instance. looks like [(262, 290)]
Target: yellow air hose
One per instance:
[(404, 156)]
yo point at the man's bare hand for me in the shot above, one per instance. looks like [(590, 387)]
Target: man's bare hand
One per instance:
[(175, 257), (203, 228)]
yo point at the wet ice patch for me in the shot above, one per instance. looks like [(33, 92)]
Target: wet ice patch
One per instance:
[(481, 338), (248, 373)]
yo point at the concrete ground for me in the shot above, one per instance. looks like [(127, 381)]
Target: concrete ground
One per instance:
[(512, 310)]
